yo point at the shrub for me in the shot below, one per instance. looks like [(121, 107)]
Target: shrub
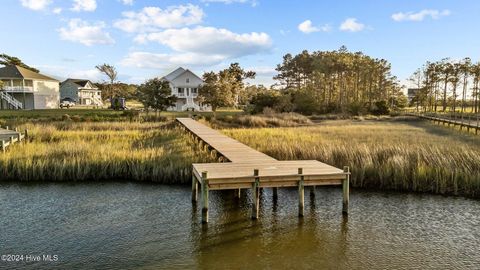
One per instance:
[(380, 108), (66, 117)]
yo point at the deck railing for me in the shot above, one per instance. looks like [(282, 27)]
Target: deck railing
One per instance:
[(11, 100)]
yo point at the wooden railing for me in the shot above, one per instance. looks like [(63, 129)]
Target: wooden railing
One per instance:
[(11, 100), (464, 120)]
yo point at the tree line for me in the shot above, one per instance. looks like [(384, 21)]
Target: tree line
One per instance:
[(452, 84)]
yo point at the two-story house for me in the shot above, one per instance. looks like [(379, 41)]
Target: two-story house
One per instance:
[(26, 89), (83, 92), (185, 85)]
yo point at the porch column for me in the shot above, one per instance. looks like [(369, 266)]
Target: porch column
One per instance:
[(24, 98)]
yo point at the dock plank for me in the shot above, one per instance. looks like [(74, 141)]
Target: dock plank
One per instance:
[(231, 149), (251, 169)]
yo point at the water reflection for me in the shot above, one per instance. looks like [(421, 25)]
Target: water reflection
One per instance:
[(124, 225)]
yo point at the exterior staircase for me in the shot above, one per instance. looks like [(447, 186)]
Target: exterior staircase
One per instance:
[(190, 104), (97, 101), (13, 102)]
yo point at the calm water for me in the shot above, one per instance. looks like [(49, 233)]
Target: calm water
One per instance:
[(144, 226)]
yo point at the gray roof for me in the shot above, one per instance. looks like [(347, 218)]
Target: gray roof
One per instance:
[(79, 82), (17, 72), (174, 74), (177, 72)]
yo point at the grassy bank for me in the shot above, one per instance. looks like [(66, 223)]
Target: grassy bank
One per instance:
[(14, 117), (71, 151), (387, 154), (412, 156)]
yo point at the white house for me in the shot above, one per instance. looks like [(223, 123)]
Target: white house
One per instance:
[(83, 92), (25, 89), (185, 85)]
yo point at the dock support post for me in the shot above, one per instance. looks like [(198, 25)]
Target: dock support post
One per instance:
[(275, 193), (3, 146), (25, 135), (237, 193), (346, 189), (301, 193), (194, 188), (204, 197), (312, 191), (11, 140), (255, 195)]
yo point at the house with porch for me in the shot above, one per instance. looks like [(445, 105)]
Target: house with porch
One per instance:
[(185, 84), (82, 92), (26, 89)]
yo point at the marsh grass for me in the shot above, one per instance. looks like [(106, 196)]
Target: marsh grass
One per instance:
[(410, 156), (267, 119), (70, 151)]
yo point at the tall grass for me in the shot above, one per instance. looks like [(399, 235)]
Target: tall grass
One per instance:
[(70, 151), (267, 119), (384, 155)]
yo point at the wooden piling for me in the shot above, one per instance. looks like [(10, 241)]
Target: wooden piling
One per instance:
[(194, 189), (312, 191), (204, 197), (275, 193), (301, 193), (346, 189), (237, 193), (4, 146), (255, 195)]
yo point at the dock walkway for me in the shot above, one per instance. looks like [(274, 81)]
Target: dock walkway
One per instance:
[(467, 122), (8, 137), (247, 168)]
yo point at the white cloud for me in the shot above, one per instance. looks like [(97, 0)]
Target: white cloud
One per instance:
[(35, 4), (85, 33), (63, 72), (200, 46), (164, 61), (352, 25), (57, 10), (84, 5), (127, 2), (210, 40), (307, 27), (252, 2), (263, 71), (420, 16), (89, 74), (154, 18)]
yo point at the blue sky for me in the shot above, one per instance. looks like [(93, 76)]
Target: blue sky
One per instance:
[(147, 38)]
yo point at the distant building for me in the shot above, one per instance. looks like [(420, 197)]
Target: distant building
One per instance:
[(83, 92), (412, 93), (25, 89), (185, 85)]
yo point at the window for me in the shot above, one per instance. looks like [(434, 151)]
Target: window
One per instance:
[(194, 90), (181, 91), (187, 80)]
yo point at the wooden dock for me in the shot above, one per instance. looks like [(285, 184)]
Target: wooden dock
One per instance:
[(8, 137), (468, 123), (247, 168)]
